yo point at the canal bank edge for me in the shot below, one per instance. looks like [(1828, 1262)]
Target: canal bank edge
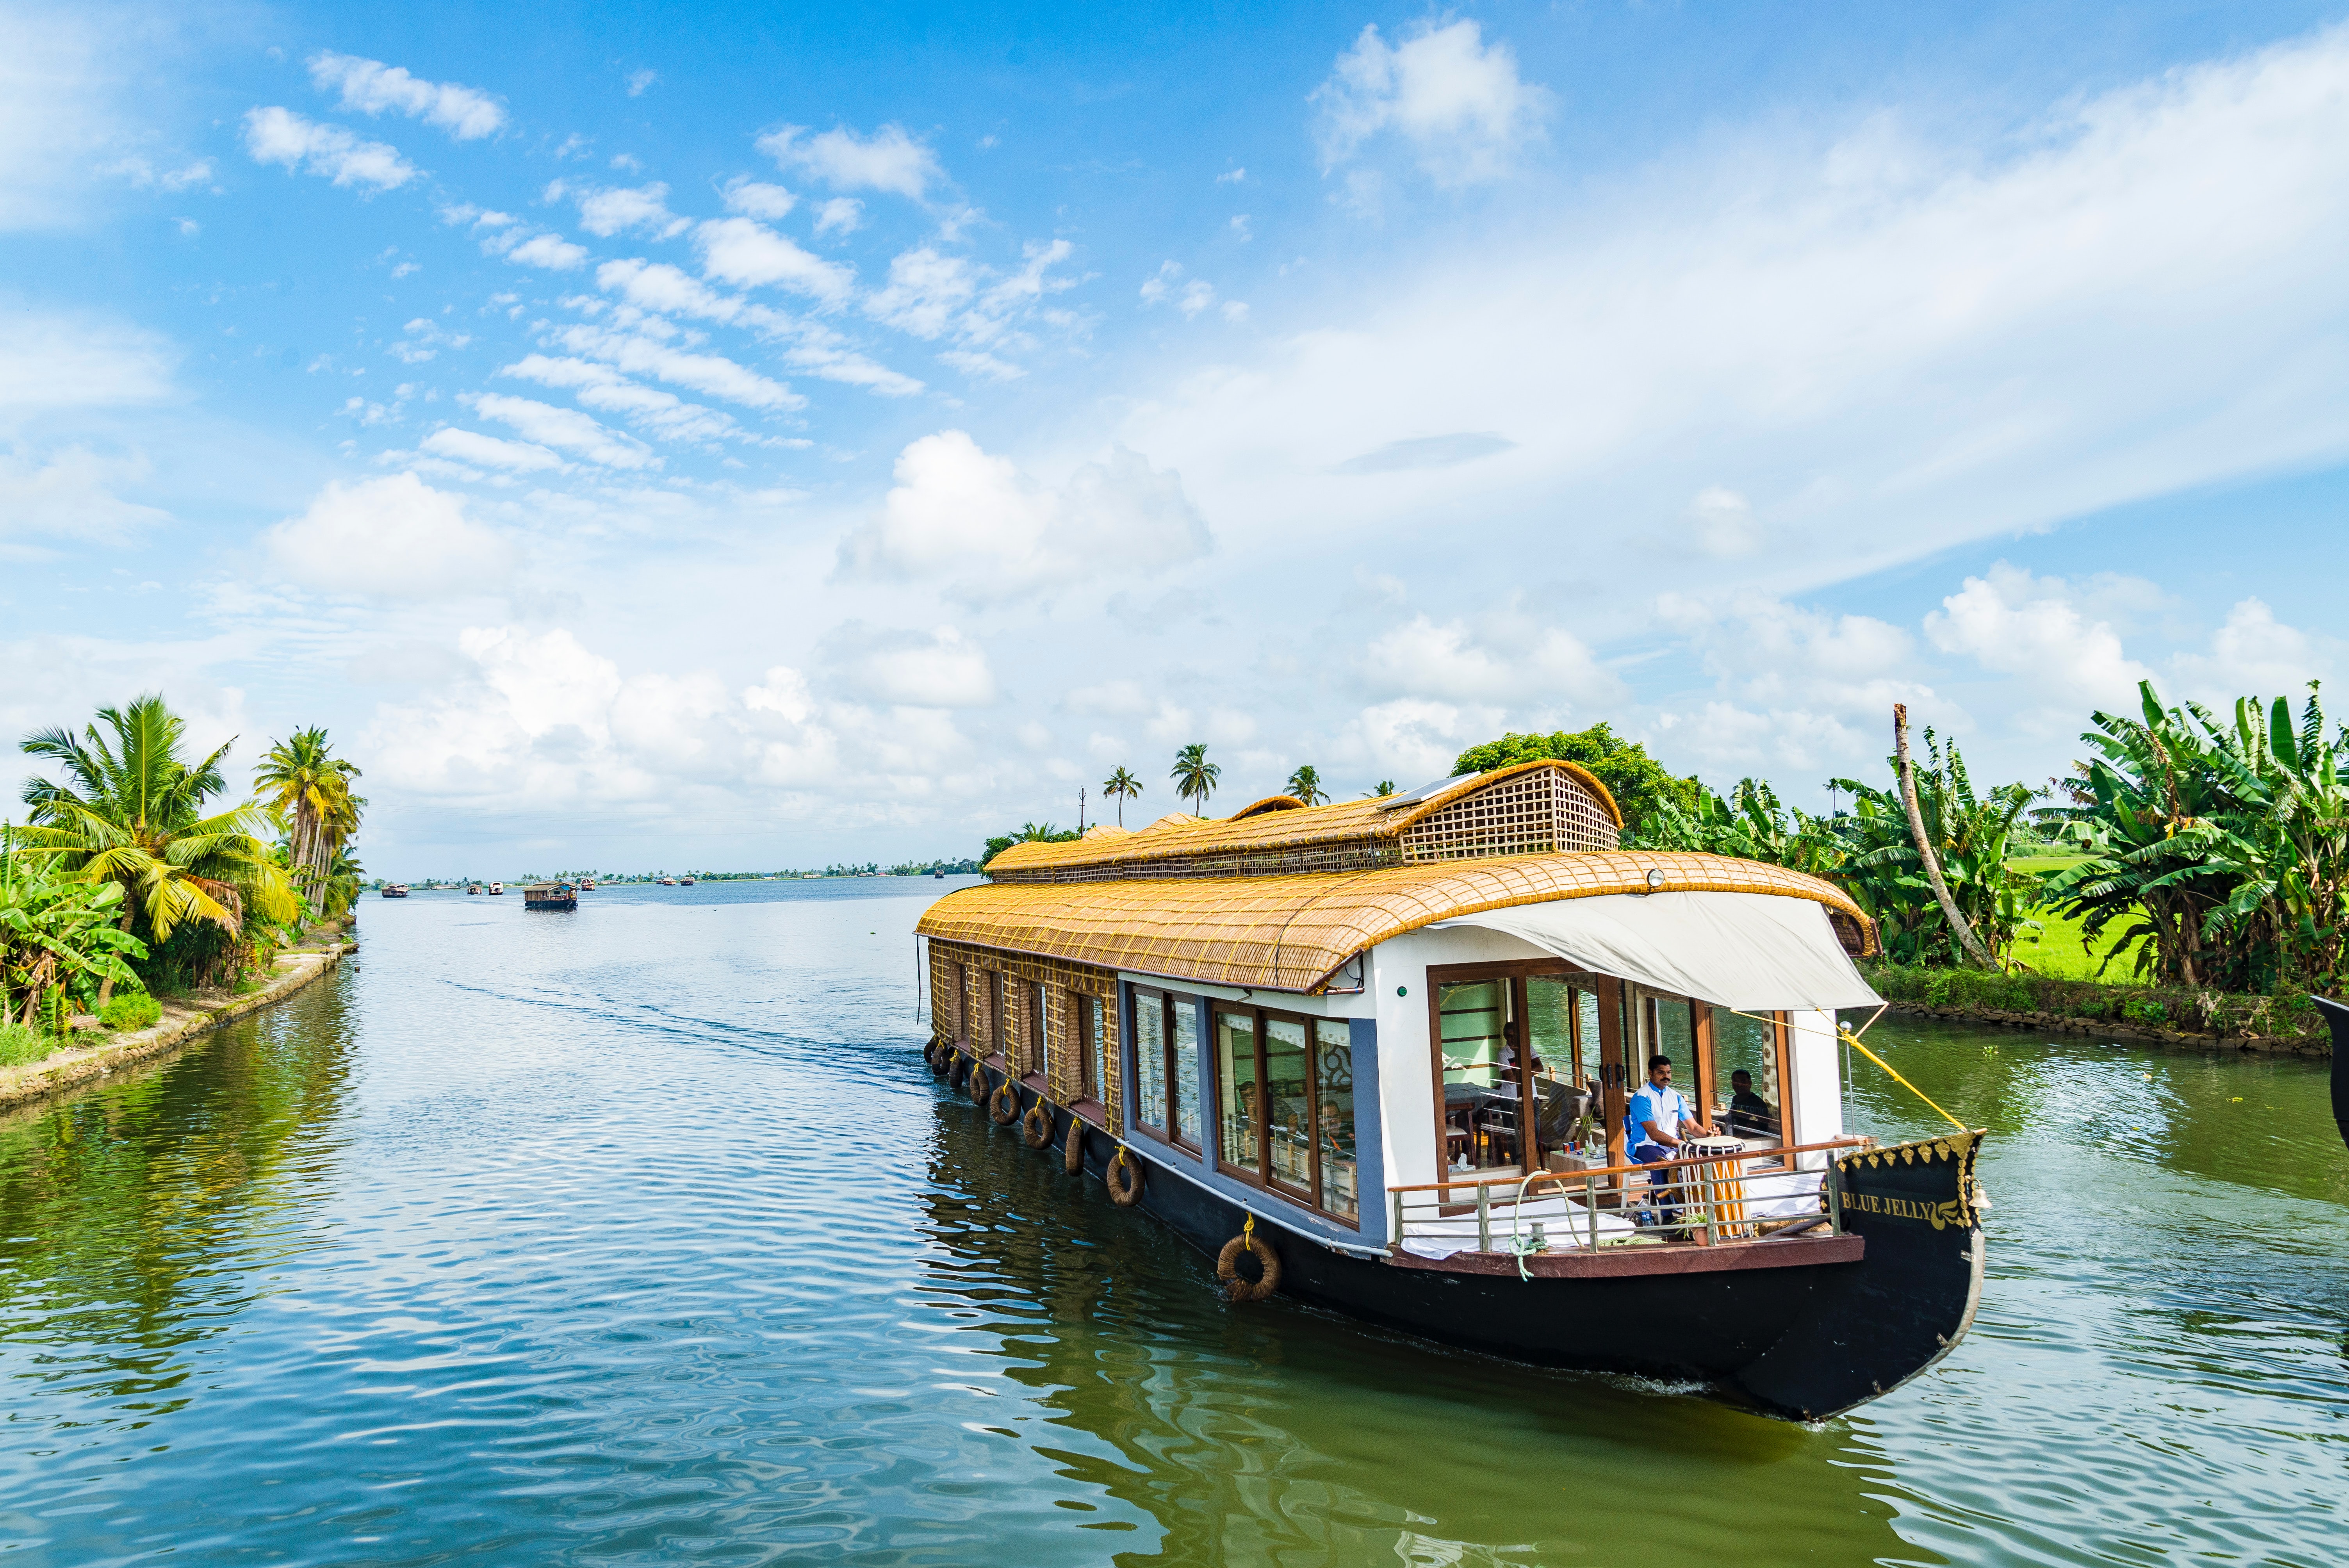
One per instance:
[(73, 1067), (2107, 1012)]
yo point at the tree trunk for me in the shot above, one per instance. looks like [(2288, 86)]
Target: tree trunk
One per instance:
[(1958, 926)]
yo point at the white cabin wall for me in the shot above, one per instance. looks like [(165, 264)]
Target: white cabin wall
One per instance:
[(1406, 1065), (1818, 1084)]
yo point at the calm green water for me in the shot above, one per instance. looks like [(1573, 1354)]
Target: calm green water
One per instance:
[(642, 1236)]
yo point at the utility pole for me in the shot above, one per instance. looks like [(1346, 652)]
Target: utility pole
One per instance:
[(1081, 810)]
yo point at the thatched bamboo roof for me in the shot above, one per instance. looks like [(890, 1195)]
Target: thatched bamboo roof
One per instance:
[(1291, 932)]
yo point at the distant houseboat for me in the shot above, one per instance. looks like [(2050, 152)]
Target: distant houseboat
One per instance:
[(550, 895), (685, 882), (394, 890), (473, 888), (1390, 1047), (497, 889)]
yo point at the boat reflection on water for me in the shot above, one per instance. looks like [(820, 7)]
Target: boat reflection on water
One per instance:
[(1276, 1429)]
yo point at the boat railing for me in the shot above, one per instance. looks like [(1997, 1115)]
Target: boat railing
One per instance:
[(1708, 1199)]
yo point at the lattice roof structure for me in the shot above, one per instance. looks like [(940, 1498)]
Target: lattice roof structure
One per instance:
[(1532, 807), (1292, 932)]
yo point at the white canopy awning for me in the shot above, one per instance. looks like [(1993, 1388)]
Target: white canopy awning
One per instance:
[(1755, 951)]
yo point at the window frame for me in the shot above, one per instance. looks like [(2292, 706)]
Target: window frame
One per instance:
[(1263, 1179)]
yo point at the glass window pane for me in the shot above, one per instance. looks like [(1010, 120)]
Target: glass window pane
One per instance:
[(1470, 1012), (1089, 1054), (1184, 1111), (1333, 1078), (1560, 1098), (1235, 1092), (1747, 1046), (1040, 1051), (1481, 1104), (1149, 1058), (1288, 1088)]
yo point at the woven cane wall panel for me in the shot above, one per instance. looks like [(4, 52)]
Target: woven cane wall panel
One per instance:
[(1533, 813), (1064, 981)]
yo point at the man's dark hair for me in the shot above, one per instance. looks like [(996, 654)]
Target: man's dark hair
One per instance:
[(1655, 1062)]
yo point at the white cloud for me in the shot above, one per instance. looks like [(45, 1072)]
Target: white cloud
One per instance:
[(371, 86), (564, 430), (925, 292), (1166, 285), (51, 361), (488, 452), (1507, 660), (2253, 655), (69, 493), (889, 160), (1457, 101), (552, 252), (2032, 629), (912, 669), (711, 374), (600, 387), (145, 176), (638, 80), (984, 531), (748, 254), (281, 136), (841, 215), (395, 538), (1721, 523), (987, 366), (1413, 739), (749, 196), (609, 211)]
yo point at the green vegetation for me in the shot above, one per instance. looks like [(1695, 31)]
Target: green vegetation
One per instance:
[(1380, 790), (1304, 785), (131, 1012), (129, 874), (1638, 782), (1195, 776), (1028, 834), (2188, 1009), (1121, 787), (21, 1045)]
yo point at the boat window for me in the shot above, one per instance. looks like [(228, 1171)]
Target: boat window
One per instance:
[(1150, 1060), (1562, 1027), (1749, 1046), (1288, 1103), (1088, 1048), (1482, 1090), (1238, 1094), (1039, 1042), (1333, 1116), (947, 1006), (1183, 1110)]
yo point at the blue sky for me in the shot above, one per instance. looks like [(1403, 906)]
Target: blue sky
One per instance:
[(692, 435)]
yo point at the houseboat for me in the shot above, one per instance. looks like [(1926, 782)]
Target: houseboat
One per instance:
[(394, 890), (1380, 1055), (550, 895), (498, 889)]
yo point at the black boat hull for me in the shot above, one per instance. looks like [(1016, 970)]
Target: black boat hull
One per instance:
[(2337, 1014), (1801, 1328)]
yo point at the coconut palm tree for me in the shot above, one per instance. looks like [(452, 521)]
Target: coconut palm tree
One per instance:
[(1304, 785), (131, 812), (1122, 786), (1195, 776), (309, 787), (1380, 790)]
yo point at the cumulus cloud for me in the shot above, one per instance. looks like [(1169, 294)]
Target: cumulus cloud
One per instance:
[(621, 210), (2033, 630), (713, 375), (1508, 659), (984, 531), (1456, 100), (282, 137), (372, 87), (648, 408), (889, 160), (748, 254), (757, 199), (912, 669), (552, 252), (841, 215), (2253, 654), (474, 449), (925, 290), (394, 538)]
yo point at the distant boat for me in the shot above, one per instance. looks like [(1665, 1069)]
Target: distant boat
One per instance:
[(550, 895), (939, 876), (586, 884), (473, 888), (497, 888), (394, 890), (685, 882), (668, 882)]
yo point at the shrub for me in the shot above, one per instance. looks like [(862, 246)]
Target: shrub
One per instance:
[(2145, 1010), (131, 1010), (20, 1045)]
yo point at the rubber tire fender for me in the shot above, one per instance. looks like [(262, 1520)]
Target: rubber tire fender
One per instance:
[(1237, 1289), (1036, 1126), (978, 1084), (1123, 1177), (1074, 1154), (1003, 1106)]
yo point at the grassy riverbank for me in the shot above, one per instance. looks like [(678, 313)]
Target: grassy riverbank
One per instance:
[(2130, 1010)]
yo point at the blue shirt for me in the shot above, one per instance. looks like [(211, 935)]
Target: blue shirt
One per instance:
[(1667, 1108)]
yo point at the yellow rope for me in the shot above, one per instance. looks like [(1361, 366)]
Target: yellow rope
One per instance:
[(1248, 1234), (1851, 1039)]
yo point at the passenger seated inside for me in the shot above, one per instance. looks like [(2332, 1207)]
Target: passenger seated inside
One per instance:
[(1659, 1119), (1749, 1115)]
